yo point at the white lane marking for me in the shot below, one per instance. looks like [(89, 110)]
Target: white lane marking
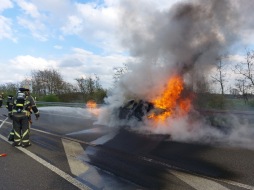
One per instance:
[(236, 184), (104, 139), (54, 169), (3, 122), (6, 122), (198, 183), (73, 150)]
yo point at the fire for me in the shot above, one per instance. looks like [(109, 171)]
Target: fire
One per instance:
[(91, 104), (92, 107), (171, 101)]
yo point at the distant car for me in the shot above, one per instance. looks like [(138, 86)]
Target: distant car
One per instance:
[(138, 109)]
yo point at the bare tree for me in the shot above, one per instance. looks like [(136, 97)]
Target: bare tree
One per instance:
[(81, 85), (48, 82), (243, 88), (246, 69), (90, 87), (220, 75), (97, 82), (118, 72), (9, 88)]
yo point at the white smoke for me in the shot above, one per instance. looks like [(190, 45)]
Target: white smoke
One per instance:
[(68, 112), (186, 39), (234, 131)]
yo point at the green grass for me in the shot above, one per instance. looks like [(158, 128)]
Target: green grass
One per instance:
[(239, 104)]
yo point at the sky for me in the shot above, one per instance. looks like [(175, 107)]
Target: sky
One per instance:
[(78, 38)]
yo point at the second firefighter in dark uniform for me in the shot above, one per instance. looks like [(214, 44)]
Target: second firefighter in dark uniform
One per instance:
[(23, 104), (9, 106), (1, 99)]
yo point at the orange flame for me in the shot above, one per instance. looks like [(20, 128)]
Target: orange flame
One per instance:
[(92, 107), (91, 104), (171, 101)]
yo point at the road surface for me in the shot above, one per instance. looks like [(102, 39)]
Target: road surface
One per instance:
[(70, 152)]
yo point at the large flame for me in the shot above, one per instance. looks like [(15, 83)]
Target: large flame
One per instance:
[(171, 101)]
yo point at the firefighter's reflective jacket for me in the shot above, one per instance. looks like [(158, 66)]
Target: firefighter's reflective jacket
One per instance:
[(24, 108), (21, 113)]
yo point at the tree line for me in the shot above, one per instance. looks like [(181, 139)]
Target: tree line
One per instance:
[(49, 85), (243, 81), (243, 71), (204, 88)]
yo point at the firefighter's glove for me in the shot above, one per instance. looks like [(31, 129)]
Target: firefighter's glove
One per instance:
[(37, 115)]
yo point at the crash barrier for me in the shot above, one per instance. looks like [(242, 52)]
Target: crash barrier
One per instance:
[(234, 112), (203, 111), (63, 104)]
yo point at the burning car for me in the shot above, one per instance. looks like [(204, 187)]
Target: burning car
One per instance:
[(172, 102), (136, 109)]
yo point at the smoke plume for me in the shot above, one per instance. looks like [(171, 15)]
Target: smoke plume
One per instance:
[(187, 39)]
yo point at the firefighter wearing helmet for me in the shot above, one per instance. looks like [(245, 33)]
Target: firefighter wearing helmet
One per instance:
[(1, 99), (23, 106)]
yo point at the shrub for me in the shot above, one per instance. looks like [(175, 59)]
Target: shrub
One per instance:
[(51, 98)]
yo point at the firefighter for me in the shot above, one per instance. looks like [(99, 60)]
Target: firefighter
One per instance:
[(21, 116), (1, 99), (9, 105)]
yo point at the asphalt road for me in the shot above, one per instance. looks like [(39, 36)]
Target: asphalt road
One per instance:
[(69, 152)]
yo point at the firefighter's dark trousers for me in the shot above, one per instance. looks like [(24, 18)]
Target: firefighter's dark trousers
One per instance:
[(21, 127), (11, 136), (1, 103)]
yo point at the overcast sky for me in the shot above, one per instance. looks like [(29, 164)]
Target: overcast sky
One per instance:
[(76, 37)]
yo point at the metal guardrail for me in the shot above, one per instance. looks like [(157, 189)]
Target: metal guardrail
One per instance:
[(234, 112), (83, 105), (205, 111)]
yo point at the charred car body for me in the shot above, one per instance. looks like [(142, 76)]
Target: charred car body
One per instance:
[(137, 109)]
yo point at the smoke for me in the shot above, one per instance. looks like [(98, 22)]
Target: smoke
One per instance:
[(68, 112), (229, 130), (186, 39)]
